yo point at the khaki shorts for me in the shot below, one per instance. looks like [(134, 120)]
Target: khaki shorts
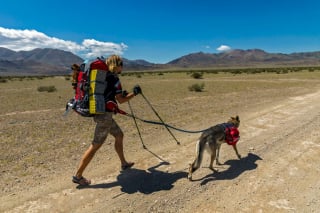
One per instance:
[(105, 125)]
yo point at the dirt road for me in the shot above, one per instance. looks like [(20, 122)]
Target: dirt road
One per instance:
[(279, 172)]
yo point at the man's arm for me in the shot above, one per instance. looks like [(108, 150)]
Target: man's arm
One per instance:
[(121, 99), (124, 96)]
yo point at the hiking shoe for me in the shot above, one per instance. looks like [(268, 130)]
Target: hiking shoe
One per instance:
[(81, 181), (127, 166)]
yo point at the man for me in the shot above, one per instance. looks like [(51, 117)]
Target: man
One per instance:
[(105, 124)]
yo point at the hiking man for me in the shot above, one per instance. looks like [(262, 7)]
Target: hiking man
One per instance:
[(105, 124)]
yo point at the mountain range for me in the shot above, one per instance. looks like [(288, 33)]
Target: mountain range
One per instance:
[(57, 62)]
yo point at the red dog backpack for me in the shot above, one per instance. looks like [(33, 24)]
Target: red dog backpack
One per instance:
[(232, 135)]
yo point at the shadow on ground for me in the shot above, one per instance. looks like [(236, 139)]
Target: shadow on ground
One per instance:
[(236, 168), (143, 181)]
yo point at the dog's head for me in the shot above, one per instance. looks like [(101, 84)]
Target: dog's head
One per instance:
[(235, 121)]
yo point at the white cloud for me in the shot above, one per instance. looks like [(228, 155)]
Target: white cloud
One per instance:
[(223, 48), (18, 40), (98, 48)]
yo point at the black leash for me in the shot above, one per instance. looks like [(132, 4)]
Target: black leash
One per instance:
[(162, 123), (166, 125)]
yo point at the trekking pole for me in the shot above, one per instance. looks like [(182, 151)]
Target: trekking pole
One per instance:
[(135, 122), (164, 124)]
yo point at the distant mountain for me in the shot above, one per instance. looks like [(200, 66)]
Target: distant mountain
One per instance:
[(140, 65), (251, 57), (57, 62), (52, 62), (38, 61)]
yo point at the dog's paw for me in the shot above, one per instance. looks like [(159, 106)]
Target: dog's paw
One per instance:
[(218, 163), (214, 170)]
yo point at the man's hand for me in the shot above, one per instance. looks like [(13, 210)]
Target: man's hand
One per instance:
[(124, 93), (137, 90)]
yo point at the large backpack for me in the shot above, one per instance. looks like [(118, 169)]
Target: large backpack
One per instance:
[(89, 90)]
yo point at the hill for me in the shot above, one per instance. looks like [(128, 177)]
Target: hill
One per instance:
[(251, 57)]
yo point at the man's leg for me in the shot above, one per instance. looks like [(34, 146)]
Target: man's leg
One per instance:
[(103, 124), (118, 145), (86, 158)]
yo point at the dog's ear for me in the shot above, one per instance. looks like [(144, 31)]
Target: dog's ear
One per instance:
[(237, 118)]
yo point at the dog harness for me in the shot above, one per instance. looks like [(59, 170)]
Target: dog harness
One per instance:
[(232, 134)]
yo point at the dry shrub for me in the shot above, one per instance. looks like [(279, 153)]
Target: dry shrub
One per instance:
[(47, 89), (196, 87)]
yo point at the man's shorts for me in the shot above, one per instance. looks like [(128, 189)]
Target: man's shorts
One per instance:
[(105, 125)]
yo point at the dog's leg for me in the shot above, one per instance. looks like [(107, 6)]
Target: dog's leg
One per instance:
[(236, 150), (213, 150), (197, 161), (218, 152)]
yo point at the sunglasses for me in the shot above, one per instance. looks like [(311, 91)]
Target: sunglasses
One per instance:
[(120, 64)]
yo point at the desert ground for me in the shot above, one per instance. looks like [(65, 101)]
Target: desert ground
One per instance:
[(280, 146)]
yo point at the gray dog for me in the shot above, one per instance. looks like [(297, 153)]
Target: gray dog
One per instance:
[(212, 138)]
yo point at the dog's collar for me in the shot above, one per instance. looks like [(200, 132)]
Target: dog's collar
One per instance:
[(227, 125)]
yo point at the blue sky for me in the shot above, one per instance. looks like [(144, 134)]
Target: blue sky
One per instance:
[(160, 30)]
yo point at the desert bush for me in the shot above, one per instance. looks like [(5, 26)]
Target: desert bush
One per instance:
[(235, 72), (2, 80), (197, 75), (47, 89), (196, 87), (214, 72)]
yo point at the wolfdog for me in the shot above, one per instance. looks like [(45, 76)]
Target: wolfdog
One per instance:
[(211, 139)]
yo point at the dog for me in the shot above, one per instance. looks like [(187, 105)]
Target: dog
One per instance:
[(211, 139)]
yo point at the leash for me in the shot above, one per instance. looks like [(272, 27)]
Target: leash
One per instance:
[(166, 125), (115, 109)]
